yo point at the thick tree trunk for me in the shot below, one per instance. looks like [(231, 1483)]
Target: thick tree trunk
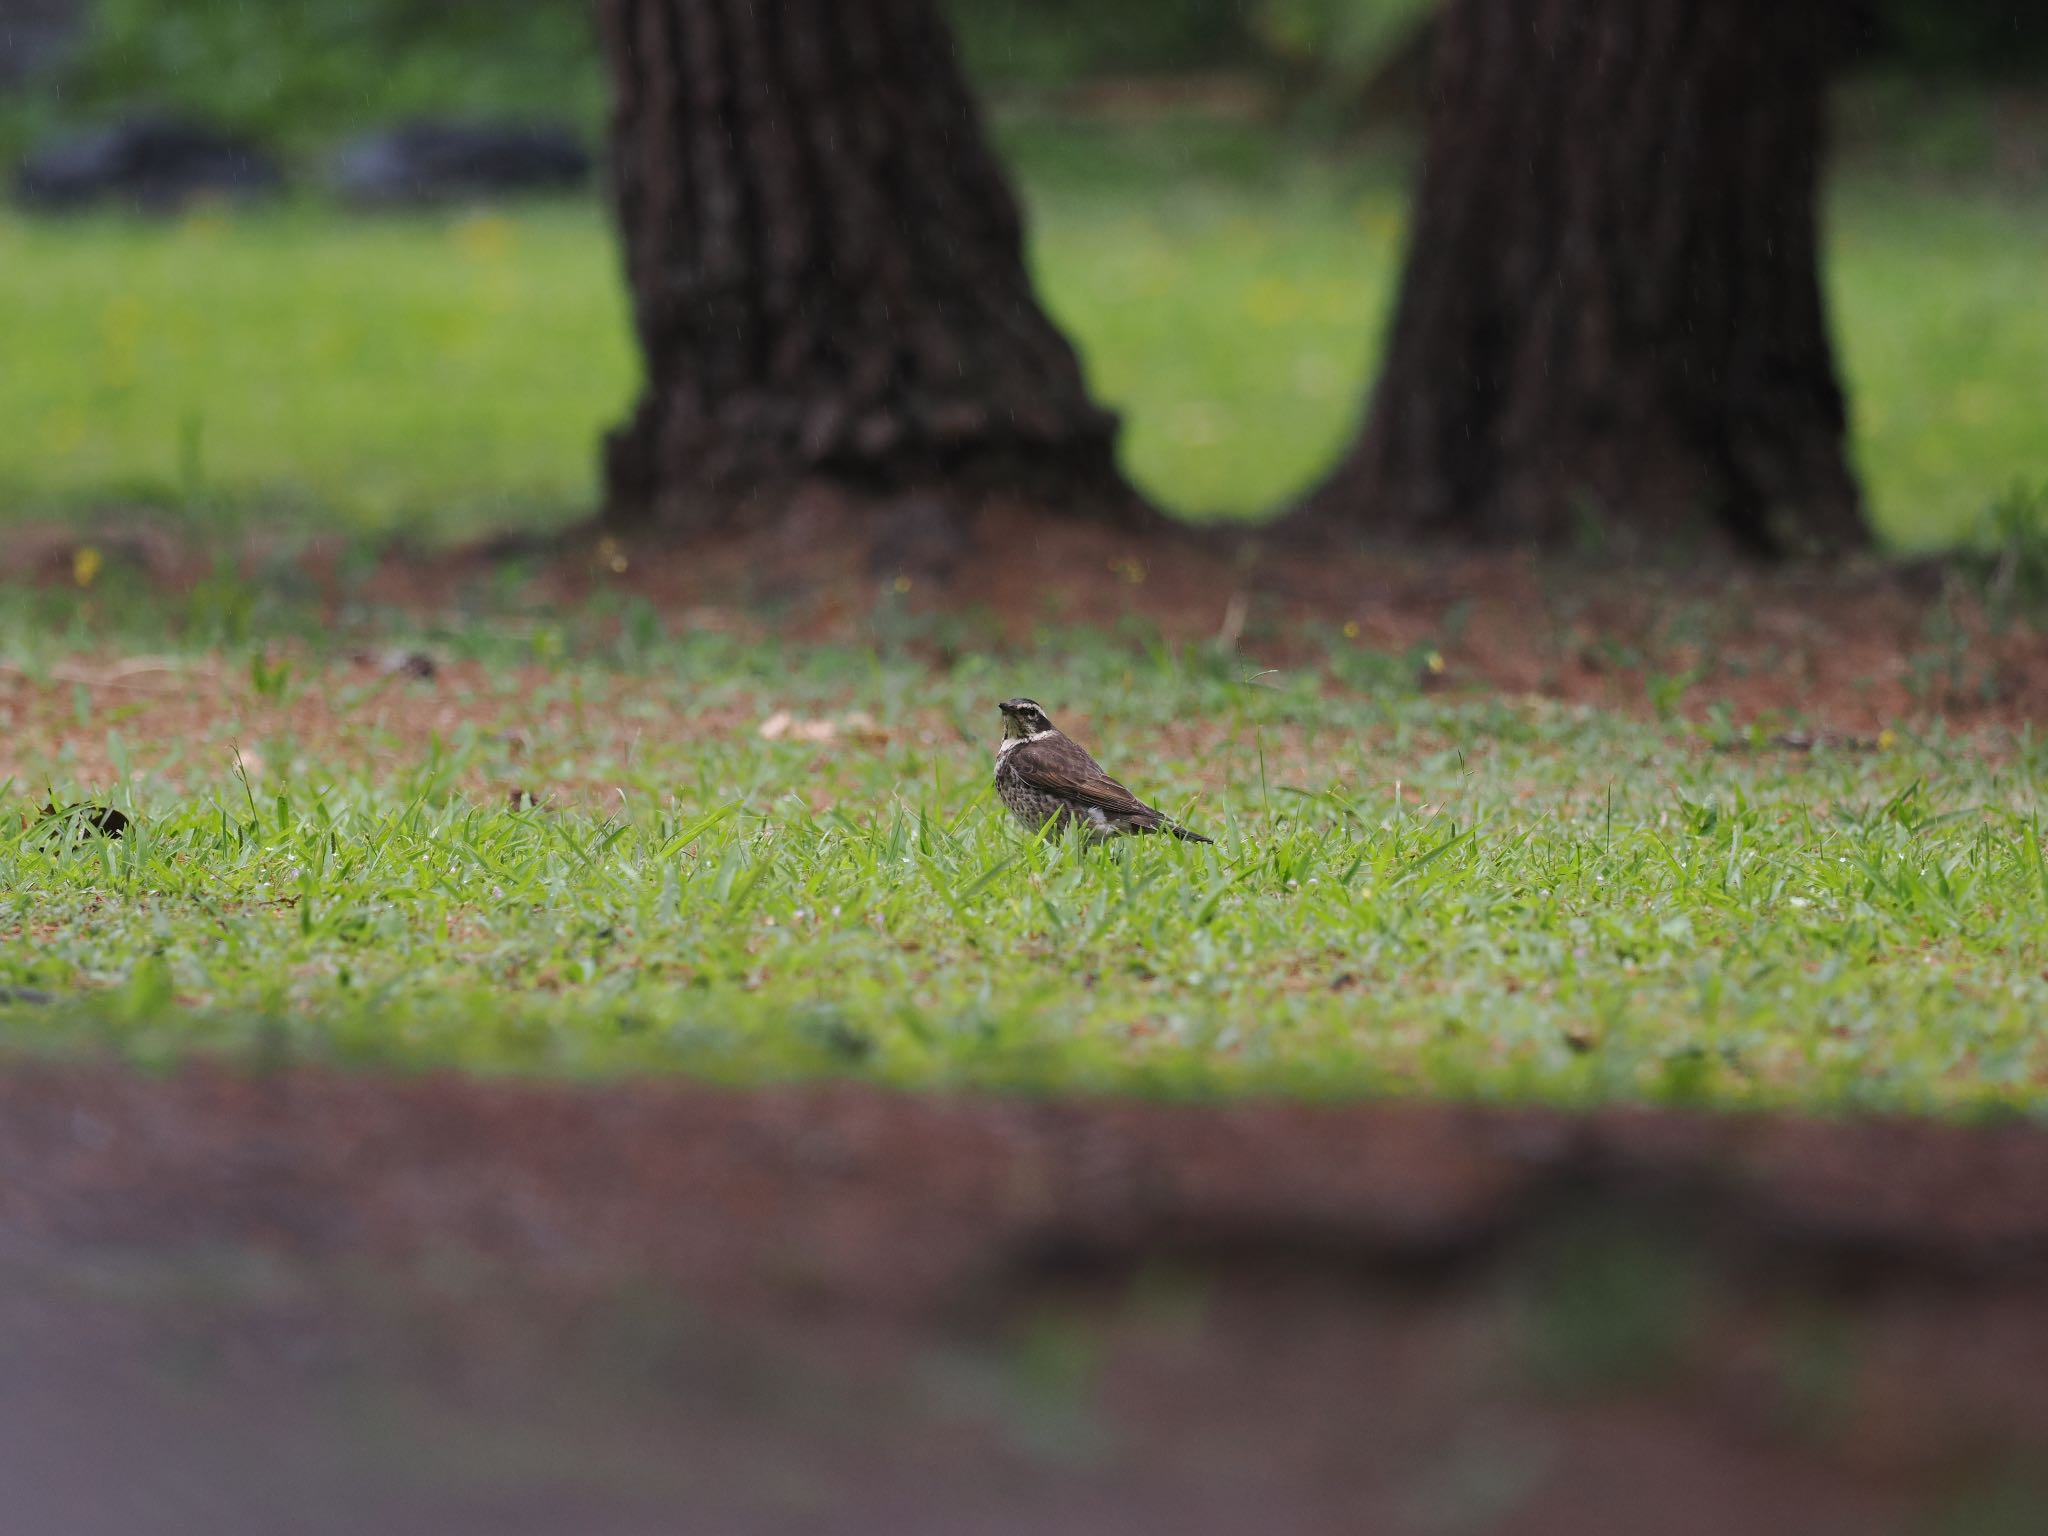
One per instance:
[(1611, 320), (827, 270)]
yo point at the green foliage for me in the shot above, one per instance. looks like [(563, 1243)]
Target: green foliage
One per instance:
[(301, 72), (1053, 42), (1343, 43), (1972, 37)]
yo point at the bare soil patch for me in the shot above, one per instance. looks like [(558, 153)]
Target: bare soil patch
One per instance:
[(1814, 659), (353, 1303), (1845, 651), (1853, 648)]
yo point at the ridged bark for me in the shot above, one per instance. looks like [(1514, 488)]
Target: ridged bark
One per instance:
[(827, 269), (1611, 320)]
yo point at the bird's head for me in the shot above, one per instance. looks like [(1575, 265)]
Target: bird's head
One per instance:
[(1022, 718)]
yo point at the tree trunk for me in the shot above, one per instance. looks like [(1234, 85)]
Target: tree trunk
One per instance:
[(1611, 321), (827, 271)]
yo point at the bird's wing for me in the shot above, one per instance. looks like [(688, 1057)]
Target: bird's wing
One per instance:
[(1063, 769)]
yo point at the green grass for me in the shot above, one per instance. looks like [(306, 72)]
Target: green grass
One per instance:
[(451, 374), (1407, 894), (294, 365)]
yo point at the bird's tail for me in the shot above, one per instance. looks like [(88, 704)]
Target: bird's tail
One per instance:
[(1159, 821)]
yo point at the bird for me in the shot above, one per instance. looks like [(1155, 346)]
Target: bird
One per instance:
[(1043, 775)]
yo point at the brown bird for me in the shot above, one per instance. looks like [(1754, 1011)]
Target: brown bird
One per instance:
[(1043, 775)]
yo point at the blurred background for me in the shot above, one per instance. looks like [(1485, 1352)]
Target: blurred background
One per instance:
[(333, 313)]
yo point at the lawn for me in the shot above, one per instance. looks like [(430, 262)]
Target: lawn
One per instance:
[(610, 836), (452, 374), (590, 845)]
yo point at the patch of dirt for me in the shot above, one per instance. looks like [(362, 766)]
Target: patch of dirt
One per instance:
[(340, 1303), (210, 720), (1845, 652), (539, 745), (1851, 650)]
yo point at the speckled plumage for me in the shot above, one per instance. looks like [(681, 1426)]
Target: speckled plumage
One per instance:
[(1043, 775)]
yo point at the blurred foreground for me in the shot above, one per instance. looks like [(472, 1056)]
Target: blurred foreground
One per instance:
[(333, 1304)]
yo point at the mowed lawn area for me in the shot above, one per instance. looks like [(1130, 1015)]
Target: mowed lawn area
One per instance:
[(452, 373), (588, 846)]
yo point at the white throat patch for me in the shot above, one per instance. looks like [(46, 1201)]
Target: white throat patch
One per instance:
[(1017, 741)]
